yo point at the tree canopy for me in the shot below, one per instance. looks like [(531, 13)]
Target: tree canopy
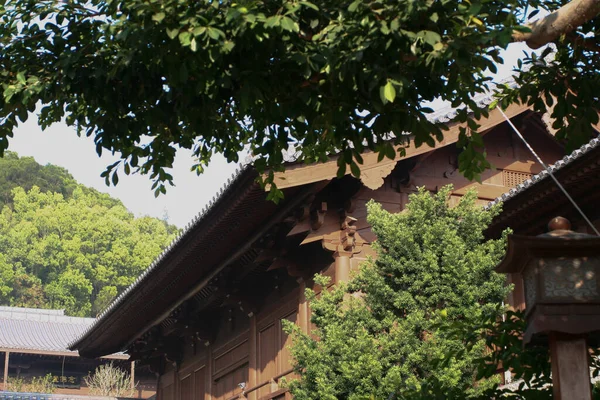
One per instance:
[(144, 77), (25, 172), (378, 334), (63, 245)]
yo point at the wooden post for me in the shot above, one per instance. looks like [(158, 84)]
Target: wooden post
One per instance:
[(209, 372), (342, 266), (6, 357), (570, 368), (132, 377), (252, 367), (303, 313)]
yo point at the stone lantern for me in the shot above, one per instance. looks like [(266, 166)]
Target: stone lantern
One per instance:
[(561, 276)]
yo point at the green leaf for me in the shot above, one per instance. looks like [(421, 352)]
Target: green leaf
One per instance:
[(158, 17), (199, 30), (309, 5), (215, 33), (185, 38), (390, 152), (475, 8), (21, 78), (172, 33), (289, 24), (389, 92), (431, 37), (273, 21), (354, 5), (355, 170), (193, 44)]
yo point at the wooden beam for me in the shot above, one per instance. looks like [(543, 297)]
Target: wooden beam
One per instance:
[(302, 174)]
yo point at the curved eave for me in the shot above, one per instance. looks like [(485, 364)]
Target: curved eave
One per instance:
[(96, 340)]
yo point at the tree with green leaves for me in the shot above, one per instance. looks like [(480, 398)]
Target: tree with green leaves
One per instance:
[(144, 77), (25, 172), (75, 253), (378, 334)]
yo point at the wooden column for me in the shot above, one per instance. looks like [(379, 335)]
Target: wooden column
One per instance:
[(176, 392), (6, 357), (209, 372), (342, 266), (570, 368), (132, 376), (303, 313), (253, 363), (159, 392)]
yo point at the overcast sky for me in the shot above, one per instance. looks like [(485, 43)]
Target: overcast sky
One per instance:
[(60, 145)]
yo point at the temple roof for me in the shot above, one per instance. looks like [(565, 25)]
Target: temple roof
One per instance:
[(40, 331), (218, 236)]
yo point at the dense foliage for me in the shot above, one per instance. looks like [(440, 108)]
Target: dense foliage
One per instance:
[(145, 76), (378, 335), (25, 172), (503, 337), (74, 252)]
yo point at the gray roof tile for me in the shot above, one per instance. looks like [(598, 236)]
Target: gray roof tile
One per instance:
[(36, 329), (566, 160)]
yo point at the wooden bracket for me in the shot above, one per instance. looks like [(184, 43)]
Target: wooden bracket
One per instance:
[(346, 239), (317, 216)]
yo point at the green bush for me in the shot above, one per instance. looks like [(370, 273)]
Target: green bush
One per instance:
[(380, 336)]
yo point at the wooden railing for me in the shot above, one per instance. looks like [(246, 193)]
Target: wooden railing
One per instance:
[(274, 392)]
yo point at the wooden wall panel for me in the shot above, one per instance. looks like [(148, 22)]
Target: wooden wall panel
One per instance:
[(227, 385), (267, 355), (225, 357), (186, 388), (285, 356), (167, 392), (200, 384)]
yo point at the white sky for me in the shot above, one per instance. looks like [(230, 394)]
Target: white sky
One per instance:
[(60, 145)]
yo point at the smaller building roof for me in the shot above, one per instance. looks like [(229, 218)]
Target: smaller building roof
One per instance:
[(587, 148), (40, 331), (528, 207)]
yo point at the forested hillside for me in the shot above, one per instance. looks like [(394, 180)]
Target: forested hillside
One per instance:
[(63, 245)]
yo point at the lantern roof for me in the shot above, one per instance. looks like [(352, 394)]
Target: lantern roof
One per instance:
[(560, 241)]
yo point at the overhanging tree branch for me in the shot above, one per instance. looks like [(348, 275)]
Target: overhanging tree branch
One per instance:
[(562, 21)]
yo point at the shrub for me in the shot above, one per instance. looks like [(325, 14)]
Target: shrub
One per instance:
[(110, 380)]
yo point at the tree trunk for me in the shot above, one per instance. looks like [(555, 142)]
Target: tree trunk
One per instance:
[(562, 21)]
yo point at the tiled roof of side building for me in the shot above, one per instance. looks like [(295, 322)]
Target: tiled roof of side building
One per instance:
[(545, 174), (46, 331)]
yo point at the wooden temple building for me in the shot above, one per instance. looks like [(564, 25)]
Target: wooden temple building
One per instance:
[(207, 315), (34, 344)]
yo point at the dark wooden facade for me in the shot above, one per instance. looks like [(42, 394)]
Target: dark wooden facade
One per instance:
[(207, 316)]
